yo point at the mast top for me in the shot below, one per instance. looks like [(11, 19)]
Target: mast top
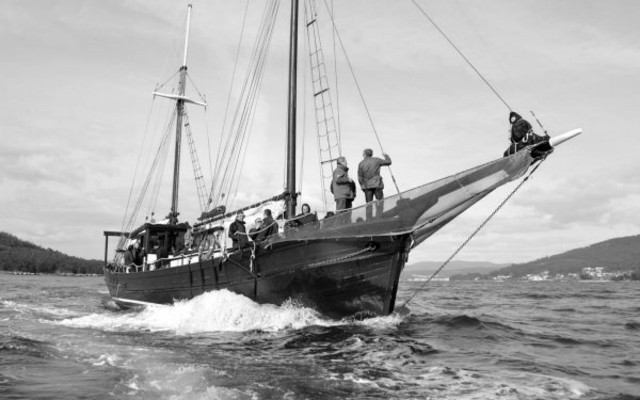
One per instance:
[(186, 39)]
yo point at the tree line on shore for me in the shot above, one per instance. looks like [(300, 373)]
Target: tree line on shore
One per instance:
[(619, 256), (18, 255)]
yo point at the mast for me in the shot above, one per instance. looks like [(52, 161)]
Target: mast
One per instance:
[(291, 122), (173, 216)]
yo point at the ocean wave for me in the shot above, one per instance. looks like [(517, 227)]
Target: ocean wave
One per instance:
[(555, 340), (481, 323), (633, 325), (463, 384), (540, 296), (39, 311), (24, 346), (216, 311), (460, 321)]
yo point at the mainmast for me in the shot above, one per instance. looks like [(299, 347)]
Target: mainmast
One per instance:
[(291, 123), (173, 217)]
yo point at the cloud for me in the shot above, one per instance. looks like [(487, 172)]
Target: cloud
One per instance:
[(79, 77)]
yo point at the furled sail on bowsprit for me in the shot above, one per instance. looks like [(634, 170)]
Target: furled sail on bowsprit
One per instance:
[(420, 211)]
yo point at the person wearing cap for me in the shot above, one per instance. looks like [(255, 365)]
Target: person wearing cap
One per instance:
[(342, 187), (369, 177), (521, 134)]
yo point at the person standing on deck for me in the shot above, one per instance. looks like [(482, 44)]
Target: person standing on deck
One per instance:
[(238, 232), (370, 179), (342, 187)]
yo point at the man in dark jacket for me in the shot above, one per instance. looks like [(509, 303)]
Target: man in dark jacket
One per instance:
[(520, 127), (269, 226), (370, 179), (238, 232), (522, 135), (342, 187)]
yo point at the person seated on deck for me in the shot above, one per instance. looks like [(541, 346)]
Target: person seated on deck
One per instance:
[(188, 240), (217, 240), (269, 226), (160, 253), (128, 259), (305, 217), (253, 232), (138, 255), (238, 232), (328, 220), (521, 134)]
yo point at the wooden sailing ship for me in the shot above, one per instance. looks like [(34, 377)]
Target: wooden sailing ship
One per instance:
[(345, 265)]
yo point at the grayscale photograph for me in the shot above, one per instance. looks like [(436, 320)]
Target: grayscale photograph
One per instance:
[(320, 199)]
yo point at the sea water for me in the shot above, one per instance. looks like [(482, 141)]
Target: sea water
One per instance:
[(63, 338)]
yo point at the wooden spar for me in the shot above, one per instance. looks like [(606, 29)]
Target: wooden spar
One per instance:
[(556, 140), (186, 39), (291, 122), (173, 217)]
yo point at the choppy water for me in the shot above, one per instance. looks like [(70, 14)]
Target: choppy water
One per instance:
[(62, 338)]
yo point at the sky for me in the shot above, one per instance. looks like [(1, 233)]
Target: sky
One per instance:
[(77, 80)]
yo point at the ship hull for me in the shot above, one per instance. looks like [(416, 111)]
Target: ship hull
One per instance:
[(338, 278)]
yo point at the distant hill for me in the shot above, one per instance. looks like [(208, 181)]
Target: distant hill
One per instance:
[(21, 256), (620, 254), (453, 268)]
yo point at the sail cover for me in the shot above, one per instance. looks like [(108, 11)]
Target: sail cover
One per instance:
[(420, 211)]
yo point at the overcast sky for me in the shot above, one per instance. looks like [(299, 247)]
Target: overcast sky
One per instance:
[(77, 78)]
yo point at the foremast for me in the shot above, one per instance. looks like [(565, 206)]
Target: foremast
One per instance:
[(173, 216), (180, 100)]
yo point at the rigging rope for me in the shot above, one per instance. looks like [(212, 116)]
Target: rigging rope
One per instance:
[(247, 117), (539, 123), (229, 157), (335, 72), (304, 123), (226, 110), (474, 233), (193, 85), (344, 51), (135, 172), (160, 86), (460, 53), (158, 158), (159, 170)]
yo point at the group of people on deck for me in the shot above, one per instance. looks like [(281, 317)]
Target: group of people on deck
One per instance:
[(135, 255), (344, 188), (262, 228)]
